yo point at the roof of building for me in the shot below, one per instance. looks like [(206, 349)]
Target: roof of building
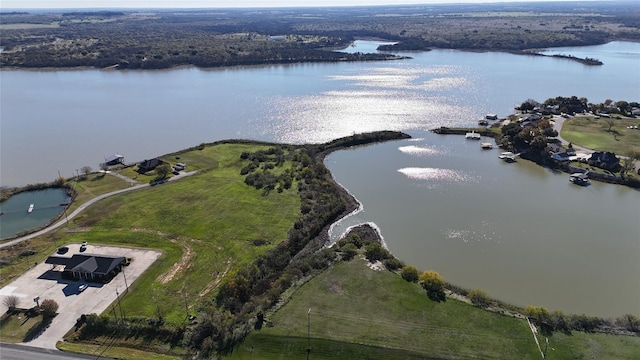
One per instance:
[(96, 264), (114, 157)]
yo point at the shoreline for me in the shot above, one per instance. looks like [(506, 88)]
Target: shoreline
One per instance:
[(390, 57)]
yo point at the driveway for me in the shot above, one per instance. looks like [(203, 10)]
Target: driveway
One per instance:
[(47, 283)]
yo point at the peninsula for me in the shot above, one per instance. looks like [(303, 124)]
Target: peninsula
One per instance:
[(232, 269)]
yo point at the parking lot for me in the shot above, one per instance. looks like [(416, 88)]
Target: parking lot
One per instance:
[(45, 282)]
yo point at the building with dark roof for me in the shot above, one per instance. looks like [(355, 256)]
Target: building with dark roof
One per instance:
[(149, 165), (114, 160), (99, 268)]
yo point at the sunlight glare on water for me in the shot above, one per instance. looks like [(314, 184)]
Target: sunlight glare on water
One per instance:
[(372, 99)]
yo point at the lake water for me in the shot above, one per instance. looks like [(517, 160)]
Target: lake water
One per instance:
[(15, 217), (60, 121)]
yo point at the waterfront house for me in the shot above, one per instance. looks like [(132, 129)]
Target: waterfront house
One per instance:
[(559, 153), (149, 165), (99, 268), (605, 160), (114, 160)]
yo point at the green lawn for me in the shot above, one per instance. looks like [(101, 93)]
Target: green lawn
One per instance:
[(358, 313), (208, 220), (14, 328), (594, 134), (361, 312), (94, 185)]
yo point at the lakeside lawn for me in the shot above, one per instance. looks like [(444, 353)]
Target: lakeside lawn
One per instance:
[(360, 313), (592, 133), (204, 225)]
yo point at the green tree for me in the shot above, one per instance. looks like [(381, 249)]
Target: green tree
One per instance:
[(162, 171), (479, 298), (410, 273), (349, 251), (375, 252), (433, 284)]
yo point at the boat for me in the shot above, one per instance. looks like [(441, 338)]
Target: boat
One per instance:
[(483, 122), (472, 135), (30, 208), (580, 179), (486, 146), (507, 156)]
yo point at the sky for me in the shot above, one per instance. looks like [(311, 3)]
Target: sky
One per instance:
[(57, 4)]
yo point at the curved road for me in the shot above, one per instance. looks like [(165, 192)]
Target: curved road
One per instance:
[(84, 206)]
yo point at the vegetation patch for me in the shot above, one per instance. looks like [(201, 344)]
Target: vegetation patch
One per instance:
[(603, 134)]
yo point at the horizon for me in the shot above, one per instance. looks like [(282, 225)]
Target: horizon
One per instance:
[(203, 4)]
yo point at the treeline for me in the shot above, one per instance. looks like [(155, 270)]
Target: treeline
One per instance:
[(243, 298), (577, 105), (240, 37)]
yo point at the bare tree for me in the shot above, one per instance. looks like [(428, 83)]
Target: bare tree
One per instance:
[(11, 302), (86, 171)]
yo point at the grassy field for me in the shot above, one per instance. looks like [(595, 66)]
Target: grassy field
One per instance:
[(358, 313), (14, 328), (203, 234), (94, 185), (594, 134)]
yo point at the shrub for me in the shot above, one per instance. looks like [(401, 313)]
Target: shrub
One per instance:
[(349, 251), (49, 308), (479, 298), (393, 263), (433, 284), (410, 273), (375, 252)]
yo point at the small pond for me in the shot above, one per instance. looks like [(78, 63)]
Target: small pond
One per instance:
[(16, 218)]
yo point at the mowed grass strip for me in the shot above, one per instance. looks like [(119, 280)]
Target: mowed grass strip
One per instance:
[(113, 352), (586, 131), (204, 223), (351, 303)]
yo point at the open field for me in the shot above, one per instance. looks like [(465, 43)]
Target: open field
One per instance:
[(593, 133), (351, 303), (94, 185), (360, 313)]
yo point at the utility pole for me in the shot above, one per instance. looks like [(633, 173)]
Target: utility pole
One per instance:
[(308, 333), (120, 306), (125, 281)]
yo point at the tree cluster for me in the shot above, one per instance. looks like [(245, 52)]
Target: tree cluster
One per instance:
[(153, 40)]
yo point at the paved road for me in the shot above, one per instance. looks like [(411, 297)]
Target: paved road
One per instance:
[(84, 206), (21, 352)]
